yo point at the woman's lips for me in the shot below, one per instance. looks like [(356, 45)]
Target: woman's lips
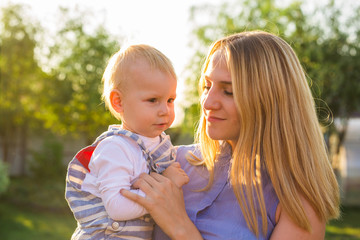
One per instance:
[(214, 119)]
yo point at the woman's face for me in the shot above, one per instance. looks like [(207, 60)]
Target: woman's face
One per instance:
[(222, 120)]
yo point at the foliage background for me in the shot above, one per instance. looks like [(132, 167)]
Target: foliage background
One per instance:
[(58, 104)]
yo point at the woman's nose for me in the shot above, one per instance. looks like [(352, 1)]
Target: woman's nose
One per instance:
[(210, 100)]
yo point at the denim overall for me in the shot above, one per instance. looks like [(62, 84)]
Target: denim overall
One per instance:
[(88, 209)]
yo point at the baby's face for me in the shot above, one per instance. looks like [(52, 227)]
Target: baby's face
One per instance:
[(148, 100)]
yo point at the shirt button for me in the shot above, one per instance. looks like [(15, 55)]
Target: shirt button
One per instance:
[(115, 225)]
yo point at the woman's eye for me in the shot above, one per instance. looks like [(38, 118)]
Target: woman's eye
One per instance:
[(171, 100), (229, 93), (152, 100)]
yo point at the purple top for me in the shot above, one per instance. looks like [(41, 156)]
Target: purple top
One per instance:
[(216, 212)]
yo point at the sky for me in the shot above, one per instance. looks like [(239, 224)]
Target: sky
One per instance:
[(163, 24)]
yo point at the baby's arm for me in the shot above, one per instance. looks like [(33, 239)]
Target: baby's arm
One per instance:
[(113, 164), (176, 174)]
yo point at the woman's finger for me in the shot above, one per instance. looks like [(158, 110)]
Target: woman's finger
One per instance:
[(158, 177), (164, 201), (144, 184), (143, 179), (134, 197)]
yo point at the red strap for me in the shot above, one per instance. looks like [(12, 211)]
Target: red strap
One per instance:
[(84, 156)]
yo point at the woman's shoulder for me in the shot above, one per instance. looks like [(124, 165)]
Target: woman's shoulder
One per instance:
[(183, 152), (186, 148)]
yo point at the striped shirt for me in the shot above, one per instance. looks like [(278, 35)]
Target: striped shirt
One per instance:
[(89, 209)]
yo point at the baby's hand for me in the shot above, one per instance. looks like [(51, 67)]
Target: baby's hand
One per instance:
[(176, 174)]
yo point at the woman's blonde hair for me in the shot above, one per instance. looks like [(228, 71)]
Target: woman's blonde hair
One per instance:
[(116, 74), (279, 130)]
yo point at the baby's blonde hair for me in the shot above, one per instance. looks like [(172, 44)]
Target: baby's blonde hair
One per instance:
[(116, 73), (279, 130)]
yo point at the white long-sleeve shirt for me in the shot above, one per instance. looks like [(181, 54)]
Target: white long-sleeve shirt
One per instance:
[(116, 162)]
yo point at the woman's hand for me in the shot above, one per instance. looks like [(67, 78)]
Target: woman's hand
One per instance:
[(165, 202)]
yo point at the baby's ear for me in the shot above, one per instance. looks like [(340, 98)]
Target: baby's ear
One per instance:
[(116, 101)]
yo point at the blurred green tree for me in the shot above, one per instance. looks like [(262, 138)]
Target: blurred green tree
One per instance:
[(20, 80), (327, 46), (73, 104), (64, 100)]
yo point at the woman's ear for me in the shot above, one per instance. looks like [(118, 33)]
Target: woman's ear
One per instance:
[(116, 100)]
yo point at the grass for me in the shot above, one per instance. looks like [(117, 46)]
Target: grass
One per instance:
[(347, 227), (23, 223), (30, 224), (34, 211)]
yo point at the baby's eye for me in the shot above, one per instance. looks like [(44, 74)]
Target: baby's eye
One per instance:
[(207, 88), (207, 85), (152, 100), (171, 100)]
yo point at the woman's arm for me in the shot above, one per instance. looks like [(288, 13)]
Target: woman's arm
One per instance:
[(286, 228), (165, 202)]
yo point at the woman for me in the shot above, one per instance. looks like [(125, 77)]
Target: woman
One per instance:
[(260, 168)]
